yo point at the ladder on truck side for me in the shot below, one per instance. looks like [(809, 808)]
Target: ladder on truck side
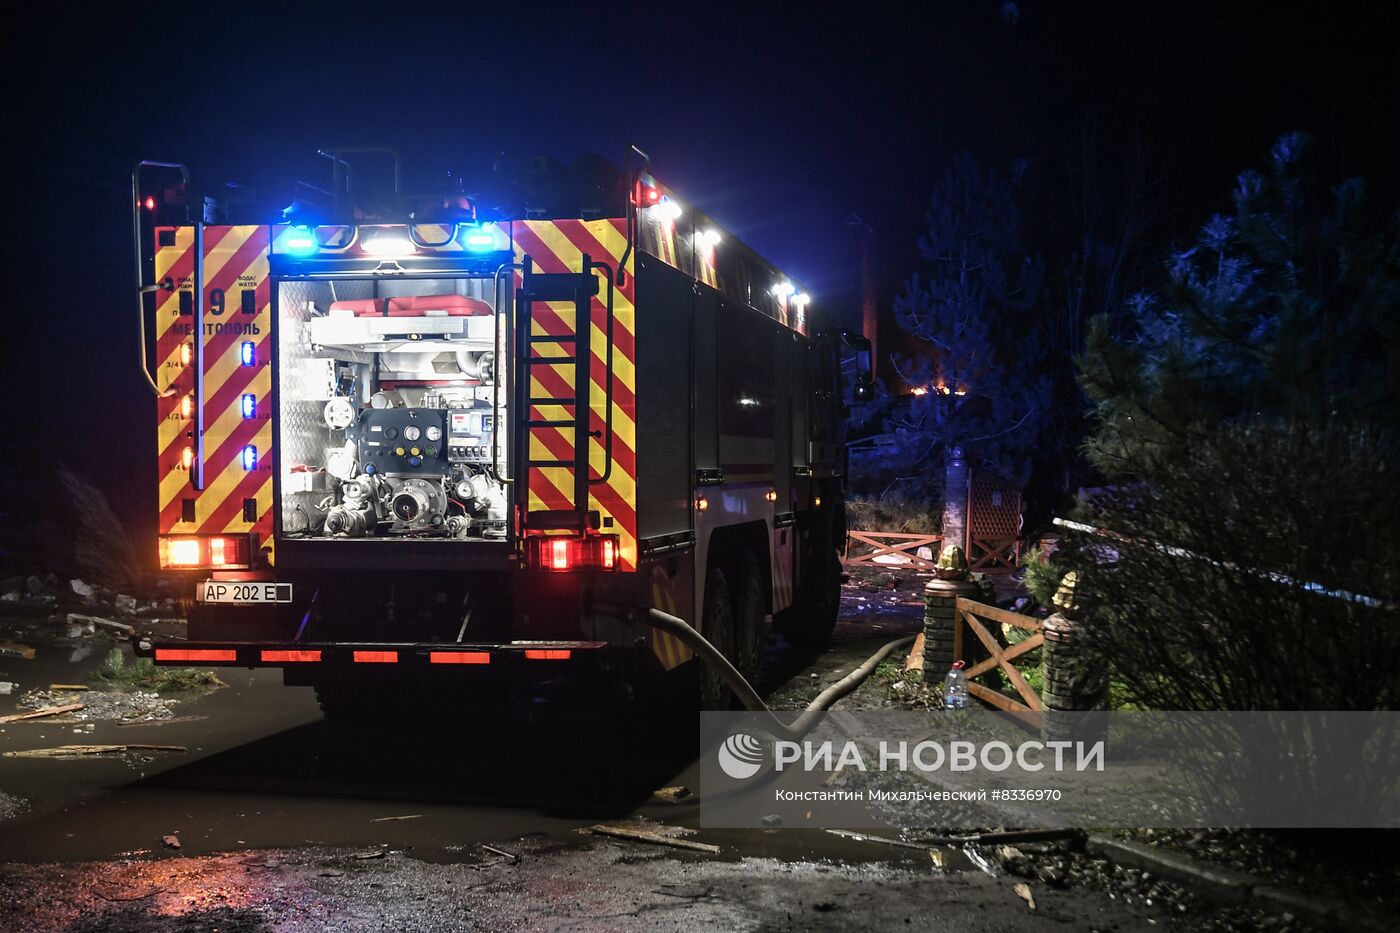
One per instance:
[(573, 422)]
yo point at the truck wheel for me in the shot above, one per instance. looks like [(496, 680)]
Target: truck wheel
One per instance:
[(749, 609), (818, 608), (717, 625)]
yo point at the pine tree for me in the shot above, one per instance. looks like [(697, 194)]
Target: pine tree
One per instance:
[(1247, 428), (1285, 308), (967, 375)]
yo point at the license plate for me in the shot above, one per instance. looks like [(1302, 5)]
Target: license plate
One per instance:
[(244, 593)]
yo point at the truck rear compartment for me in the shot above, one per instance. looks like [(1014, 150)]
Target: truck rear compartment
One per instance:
[(391, 410)]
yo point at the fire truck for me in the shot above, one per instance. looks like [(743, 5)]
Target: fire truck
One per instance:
[(440, 436)]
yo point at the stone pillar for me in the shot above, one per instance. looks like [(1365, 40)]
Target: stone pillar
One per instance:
[(1076, 682), (955, 500), (940, 611)]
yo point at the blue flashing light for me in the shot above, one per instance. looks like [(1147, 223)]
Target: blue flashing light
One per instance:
[(249, 405), (299, 240), (248, 353), (483, 239), (250, 457)]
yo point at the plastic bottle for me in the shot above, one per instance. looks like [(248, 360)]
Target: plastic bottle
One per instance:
[(955, 687)]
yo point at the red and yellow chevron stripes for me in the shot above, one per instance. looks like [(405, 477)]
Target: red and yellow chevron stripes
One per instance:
[(235, 263), (558, 246)]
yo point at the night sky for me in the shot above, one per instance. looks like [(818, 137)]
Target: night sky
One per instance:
[(777, 125)]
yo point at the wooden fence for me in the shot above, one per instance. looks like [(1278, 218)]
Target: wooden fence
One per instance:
[(974, 617), (888, 542)]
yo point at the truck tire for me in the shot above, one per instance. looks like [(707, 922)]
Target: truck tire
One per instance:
[(750, 609), (817, 607), (717, 626)]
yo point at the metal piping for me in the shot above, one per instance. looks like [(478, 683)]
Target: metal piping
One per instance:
[(711, 655), (143, 289), (632, 218)]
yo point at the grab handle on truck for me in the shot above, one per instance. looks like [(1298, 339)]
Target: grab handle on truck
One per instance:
[(607, 380), (142, 289)]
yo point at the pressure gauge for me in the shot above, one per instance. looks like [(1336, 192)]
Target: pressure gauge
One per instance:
[(410, 433), (434, 432)]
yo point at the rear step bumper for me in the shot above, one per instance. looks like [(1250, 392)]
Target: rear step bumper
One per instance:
[(367, 654)]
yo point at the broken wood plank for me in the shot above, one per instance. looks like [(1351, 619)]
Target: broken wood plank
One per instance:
[(12, 650), (915, 661), (73, 687), (39, 713), (84, 751), (655, 838), (79, 618), (501, 852), (392, 819)]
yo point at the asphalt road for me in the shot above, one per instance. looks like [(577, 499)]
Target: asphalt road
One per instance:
[(451, 817)]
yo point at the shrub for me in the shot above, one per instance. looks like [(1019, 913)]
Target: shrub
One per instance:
[(893, 512), (1260, 570), (144, 675)]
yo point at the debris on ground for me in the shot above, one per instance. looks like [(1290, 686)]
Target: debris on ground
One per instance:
[(655, 833), (392, 819), (1013, 861), (170, 842), (9, 650), (984, 864), (41, 710), (1024, 891), (137, 706), (143, 673), (126, 724), (89, 751), (868, 837), (501, 852), (370, 853), (7, 687), (87, 624), (73, 602), (68, 687), (672, 794)]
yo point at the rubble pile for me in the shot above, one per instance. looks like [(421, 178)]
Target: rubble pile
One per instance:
[(47, 608), (136, 706), (48, 595)]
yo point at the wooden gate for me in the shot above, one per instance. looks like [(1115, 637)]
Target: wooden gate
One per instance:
[(889, 542), (973, 617), (993, 524)]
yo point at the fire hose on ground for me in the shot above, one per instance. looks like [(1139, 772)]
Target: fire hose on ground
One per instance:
[(708, 653)]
